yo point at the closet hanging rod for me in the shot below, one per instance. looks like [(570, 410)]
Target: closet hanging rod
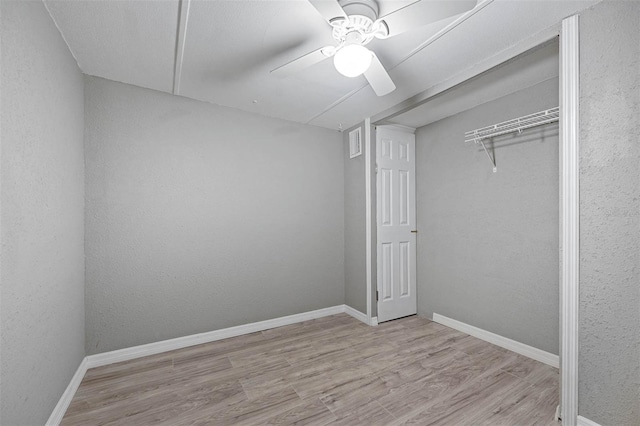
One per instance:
[(515, 125)]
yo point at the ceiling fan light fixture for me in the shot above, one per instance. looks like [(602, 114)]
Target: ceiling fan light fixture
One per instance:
[(352, 60)]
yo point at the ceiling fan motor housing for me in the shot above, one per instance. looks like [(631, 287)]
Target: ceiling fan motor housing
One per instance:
[(362, 18), (366, 8)]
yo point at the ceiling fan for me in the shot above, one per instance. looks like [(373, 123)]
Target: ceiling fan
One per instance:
[(355, 23)]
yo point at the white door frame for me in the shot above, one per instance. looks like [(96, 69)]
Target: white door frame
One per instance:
[(569, 217), (368, 170), (569, 200)]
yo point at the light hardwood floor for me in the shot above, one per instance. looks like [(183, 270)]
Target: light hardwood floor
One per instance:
[(334, 370)]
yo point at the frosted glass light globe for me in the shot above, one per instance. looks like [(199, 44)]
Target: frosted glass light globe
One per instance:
[(352, 60)]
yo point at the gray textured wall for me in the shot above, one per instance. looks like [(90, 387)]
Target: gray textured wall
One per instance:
[(200, 217), (41, 214), (488, 242), (609, 364), (355, 239)]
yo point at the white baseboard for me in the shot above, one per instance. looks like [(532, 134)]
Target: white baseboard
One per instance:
[(512, 345), (356, 314), (360, 316), (106, 358), (133, 352), (583, 421), (58, 412)]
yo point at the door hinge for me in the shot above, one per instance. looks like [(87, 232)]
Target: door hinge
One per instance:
[(377, 296)]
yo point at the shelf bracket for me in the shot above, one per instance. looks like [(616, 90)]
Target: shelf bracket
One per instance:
[(479, 140), (510, 126)]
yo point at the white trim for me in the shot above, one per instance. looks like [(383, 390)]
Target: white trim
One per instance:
[(583, 421), (401, 128), (374, 321), (570, 216), (368, 214), (126, 354), (356, 314), (106, 358), (180, 43), (61, 407), (512, 345)]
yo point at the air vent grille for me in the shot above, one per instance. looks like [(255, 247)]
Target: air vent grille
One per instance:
[(355, 142)]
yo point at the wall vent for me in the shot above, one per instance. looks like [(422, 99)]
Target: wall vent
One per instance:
[(355, 142)]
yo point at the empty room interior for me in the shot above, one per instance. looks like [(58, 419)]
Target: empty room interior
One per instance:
[(349, 212)]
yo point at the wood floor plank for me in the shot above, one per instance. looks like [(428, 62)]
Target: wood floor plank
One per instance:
[(317, 353), (274, 348), (90, 388), (311, 412), (332, 370), (152, 408), (453, 408), (415, 321), (258, 387), (366, 413), (125, 368), (410, 369), (342, 398), (405, 395), (291, 330), (468, 403), (255, 412), (125, 395), (533, 403), (219, 348)]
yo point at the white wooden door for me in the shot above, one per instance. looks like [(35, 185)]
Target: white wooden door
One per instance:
[(396, 220)]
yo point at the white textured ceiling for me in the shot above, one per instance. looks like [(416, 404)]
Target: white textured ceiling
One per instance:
[(129, 41), (230, 46), (539, 65)]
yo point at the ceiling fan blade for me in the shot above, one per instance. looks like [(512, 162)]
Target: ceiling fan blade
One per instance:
[(378, 77), (423, 12), (329, 9), (304, 61)]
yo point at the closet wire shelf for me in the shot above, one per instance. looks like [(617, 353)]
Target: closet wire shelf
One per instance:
[(515, 125)]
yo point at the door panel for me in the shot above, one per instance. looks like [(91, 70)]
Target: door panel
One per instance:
[(405, 265), (396, 216), (385, 188), (387, 271)]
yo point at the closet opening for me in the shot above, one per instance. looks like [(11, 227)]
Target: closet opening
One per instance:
[(487, 205)]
